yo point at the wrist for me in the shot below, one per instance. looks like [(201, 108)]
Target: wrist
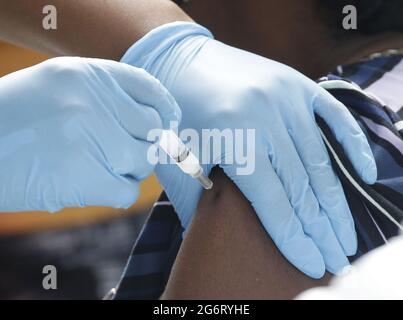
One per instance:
[(164, 50)]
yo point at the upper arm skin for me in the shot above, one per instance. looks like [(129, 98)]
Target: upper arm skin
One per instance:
[(87, 28), (227, 254)]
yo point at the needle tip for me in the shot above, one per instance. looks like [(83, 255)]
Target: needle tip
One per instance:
[(205, 182)]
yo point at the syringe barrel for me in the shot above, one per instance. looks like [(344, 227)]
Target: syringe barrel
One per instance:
[(177, 150), (183, 157)]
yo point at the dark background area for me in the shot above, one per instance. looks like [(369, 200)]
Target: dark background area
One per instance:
[(89, 259)]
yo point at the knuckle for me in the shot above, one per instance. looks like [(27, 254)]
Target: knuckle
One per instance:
[(64, 67), (251, 101)]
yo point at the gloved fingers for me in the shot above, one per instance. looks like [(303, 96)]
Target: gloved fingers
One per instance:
[(277, 216), (143, 88), (98, 185), (325, 184), (109, 143), (297, 183), (349, 134), (112, 191), (140, 121), (132, 157)]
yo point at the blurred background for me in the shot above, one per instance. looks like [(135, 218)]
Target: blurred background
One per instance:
[(89, 246)]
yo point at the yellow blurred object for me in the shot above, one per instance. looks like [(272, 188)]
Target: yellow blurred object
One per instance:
[(13, 58)]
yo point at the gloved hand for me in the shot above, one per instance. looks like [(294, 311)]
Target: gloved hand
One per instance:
[(293, 189), (73, 133)]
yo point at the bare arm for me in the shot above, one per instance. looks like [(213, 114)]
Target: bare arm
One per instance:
[(96, 28), (228, 255)]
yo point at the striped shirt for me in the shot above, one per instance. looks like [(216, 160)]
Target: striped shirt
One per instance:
[(377, 210)]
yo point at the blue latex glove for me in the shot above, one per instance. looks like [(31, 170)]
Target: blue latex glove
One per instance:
[(294, 191), (73, 133)]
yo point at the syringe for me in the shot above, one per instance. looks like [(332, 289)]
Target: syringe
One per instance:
[(183, 157)]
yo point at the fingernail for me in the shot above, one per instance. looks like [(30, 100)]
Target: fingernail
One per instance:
[(345, 271)]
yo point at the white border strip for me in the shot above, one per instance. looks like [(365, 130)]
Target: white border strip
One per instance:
[(399, 125), (376, 225), (162, 203)]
